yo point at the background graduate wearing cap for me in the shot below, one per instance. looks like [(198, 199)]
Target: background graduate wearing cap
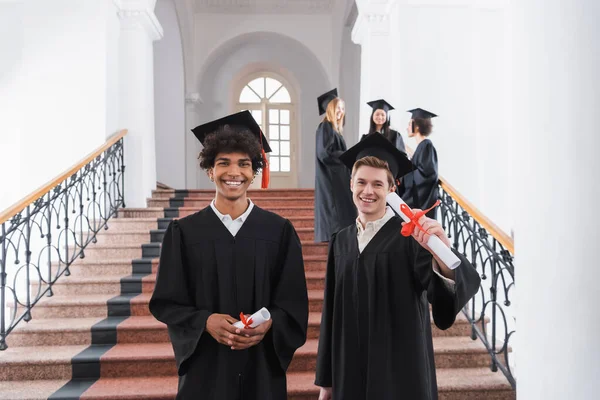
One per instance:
[(333, 200), (375, 340), (419, 188), (231, 257), (380, 123)]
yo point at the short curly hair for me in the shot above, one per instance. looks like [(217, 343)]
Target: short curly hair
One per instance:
[(231, 139)]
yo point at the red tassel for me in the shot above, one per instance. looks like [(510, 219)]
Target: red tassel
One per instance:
[(265, 171)]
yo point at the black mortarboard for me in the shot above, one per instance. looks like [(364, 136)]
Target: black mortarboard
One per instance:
[(420, 113), (242, 119), (378, 146), (381, 105), (324, 99)]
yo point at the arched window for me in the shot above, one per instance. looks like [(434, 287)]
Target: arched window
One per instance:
[(271, 105)]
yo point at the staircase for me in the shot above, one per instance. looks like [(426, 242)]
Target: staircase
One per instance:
[(95, 338)]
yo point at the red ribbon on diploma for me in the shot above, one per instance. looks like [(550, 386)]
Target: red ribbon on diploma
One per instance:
[(409, 227), (246, 321)]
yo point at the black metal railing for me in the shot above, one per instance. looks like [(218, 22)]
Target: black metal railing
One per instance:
[(39, 243), (492, 320)]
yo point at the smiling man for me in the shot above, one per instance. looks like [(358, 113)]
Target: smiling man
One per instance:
[(375, 340), (228, 258)]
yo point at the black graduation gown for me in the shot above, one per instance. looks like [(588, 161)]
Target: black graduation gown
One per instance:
[(419, 188), (204, 270), (334, 208), (375, 340), (394, 137)]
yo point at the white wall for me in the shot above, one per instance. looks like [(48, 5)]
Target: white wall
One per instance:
[(169, 92), (312, 31), (349, 88), (56, 72), (452, 62), (556, 100)]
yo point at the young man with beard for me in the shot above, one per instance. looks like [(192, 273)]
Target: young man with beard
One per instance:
[(228, 258), (375, 340)]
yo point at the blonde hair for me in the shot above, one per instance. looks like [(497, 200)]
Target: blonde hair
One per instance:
[(370, 161), (330, 115)]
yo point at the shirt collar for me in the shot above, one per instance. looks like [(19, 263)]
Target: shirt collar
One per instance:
[(377, 224), (241, 218)]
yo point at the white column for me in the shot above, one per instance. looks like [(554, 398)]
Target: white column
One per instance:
[(139, 29), (374, 32), (556, 60)]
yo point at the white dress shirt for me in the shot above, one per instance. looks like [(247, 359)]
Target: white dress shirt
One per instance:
[(233, 225), (364, 236)]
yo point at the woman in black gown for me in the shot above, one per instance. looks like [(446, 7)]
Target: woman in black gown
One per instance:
[(380, 123), (420, 187), (334, 208)]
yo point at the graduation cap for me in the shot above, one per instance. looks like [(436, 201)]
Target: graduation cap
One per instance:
[(240, 122), (381, 105), (378, 146), (420, 113), (324, 99)]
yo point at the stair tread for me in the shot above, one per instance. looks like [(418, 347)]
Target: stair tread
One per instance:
[(160, 387), (58, 325), (164, 351), (81, 299), (27, 390), (43, 355), (111, 261)]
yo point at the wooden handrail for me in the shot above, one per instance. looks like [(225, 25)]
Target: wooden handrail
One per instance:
[(484, 221), (24, 202)]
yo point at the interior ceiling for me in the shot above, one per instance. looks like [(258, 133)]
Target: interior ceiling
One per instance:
[(264, 6)]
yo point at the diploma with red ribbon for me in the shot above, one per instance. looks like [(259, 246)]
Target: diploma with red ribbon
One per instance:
[(262, 315), (412, 222)]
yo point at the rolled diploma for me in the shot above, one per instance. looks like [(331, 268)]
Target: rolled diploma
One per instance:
[(435, 244), (262, 315)]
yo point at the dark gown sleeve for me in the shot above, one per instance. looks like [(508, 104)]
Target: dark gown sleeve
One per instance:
[(324, 376), (172, 302), (426, 164), (446, 301), (326, 152), (289, 303), (400, 142)]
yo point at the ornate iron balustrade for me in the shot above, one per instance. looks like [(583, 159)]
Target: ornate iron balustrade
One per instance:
[(50, 229), (488, 312)]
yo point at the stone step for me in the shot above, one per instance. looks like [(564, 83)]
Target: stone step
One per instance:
[(142, 213), (453, 384), (315, 263), (54, 332), (30, 390), (156, 359), (263, 202), (130, 237), (315, 280), (252, 193), (131, 224), (111, 251), (83, 306), (450, 352), (103, 284), (115, 267), (146, 329), (47, 362)]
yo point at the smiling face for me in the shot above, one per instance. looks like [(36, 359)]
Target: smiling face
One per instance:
[(232, 174), (379, 117), (340, 110), (370, 186)]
